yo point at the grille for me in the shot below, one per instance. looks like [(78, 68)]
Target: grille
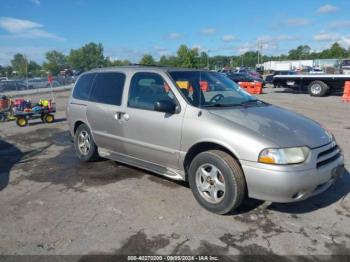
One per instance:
[(328, 156)]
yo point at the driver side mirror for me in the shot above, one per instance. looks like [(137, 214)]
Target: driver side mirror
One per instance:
[(165, 106)]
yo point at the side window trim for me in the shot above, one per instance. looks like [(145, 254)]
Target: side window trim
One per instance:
[(130, 88), (92, 86)]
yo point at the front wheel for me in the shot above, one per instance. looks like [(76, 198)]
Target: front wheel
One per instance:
[(84, 144), (217, 181)]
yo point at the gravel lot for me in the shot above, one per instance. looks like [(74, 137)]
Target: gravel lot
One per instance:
[(52, 204)]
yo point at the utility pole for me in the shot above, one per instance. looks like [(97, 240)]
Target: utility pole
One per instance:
[(260, 45), (25, 58), (257, 48), (208, 66)]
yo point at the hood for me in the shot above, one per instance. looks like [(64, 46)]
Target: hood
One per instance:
[(283, 127)]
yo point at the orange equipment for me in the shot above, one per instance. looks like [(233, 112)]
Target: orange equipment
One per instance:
[(252, 87), (185, 85), (346, 94), (4, 103), (204, 86)]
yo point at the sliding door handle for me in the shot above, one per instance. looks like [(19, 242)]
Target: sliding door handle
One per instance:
[(121, 116)]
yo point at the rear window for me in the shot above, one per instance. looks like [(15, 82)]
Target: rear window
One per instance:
[(83, 86), (108, 88)]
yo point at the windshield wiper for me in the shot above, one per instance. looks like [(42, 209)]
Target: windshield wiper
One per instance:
[(252, 101), (220, 105)]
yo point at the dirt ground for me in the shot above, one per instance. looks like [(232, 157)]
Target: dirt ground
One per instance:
[(52, 204)]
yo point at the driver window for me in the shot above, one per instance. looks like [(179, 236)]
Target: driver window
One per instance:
[(146, 89)]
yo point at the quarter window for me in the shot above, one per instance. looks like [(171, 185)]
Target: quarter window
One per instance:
[(146, 89), (108, 88), (83, 86)]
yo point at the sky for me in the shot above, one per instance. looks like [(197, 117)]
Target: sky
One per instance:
[(130, 28)]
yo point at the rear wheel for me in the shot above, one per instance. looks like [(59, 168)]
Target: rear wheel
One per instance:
[(217, 181), (84, 144), (318, 88), (21, 121), (48, 118)]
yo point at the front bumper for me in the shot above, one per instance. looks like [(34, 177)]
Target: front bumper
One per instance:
[(283, 184)]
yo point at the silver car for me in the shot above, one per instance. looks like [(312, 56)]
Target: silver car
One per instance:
[(201, 127)]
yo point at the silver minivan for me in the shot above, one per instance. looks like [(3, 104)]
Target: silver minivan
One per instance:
[(201, 127)]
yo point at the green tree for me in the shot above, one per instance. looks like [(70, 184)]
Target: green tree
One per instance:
[(7, 71), (147, 59), (34, 69), (336, 51), (117, 62), (203, 60), (169, 61), (187, 58), (19, 64), (301, 52), (56, 61), (163, 61), (220, 61), (2, 71), (87, 57)]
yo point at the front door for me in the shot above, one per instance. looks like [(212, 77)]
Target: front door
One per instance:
[(150, 135)]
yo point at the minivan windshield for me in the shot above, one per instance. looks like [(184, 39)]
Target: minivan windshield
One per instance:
[(210, 89)]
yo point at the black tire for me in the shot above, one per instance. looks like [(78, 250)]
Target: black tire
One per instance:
[(318, 88), (92, 154), (235, 185), (21, 121), (48, 118), (277, 85)]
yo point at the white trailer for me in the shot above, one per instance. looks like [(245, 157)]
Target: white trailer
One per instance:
[(287, 65)]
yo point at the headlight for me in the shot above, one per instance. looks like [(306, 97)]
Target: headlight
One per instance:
[(284, 156)]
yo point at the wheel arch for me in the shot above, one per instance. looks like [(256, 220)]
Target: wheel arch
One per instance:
[(76, 125), (202, 147)]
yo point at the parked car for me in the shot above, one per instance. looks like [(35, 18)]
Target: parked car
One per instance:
[(12, 85), (199, 126), (315, 71), (269, 78), (40, 83), (37, 83), (241, 77), (249, 72), (345, 66)]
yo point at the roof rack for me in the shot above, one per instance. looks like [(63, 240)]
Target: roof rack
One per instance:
[(133, 64)]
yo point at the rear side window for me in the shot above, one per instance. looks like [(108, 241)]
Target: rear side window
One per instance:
[(83, 86), (108, 88)]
